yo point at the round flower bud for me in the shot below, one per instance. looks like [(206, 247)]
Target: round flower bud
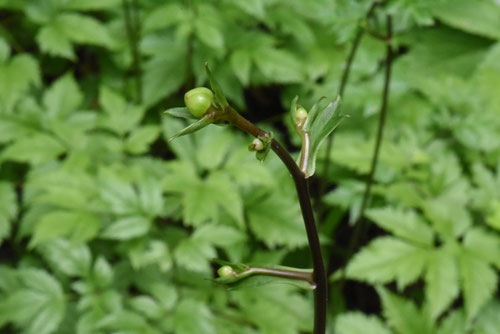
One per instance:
[(257, 145), (226, 271), (300, 114), (198, 100)]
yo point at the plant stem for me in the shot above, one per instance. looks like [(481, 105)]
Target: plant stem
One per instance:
[(360, 226), (302, 187), (343, 83), (303, 275), (132, 26)]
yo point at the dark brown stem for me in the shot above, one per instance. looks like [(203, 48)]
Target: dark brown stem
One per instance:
[(361, 225), (343, 82), (302, 187)]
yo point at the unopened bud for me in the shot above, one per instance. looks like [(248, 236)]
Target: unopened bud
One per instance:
[(226, 271), (256, 145)]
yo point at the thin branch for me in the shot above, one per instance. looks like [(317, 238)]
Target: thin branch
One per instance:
[(302, 187), (343, 83), (303, 275), (361, 225)]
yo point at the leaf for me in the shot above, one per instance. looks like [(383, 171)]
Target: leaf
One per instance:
[(194, 254), (8, 208), (141, 138), (181, 112), (216, 88), (359, 323), (320, 124), (145, 253), (483, 244), (442, 281), (479, 282), (164, 16), (403, 224), (241, 63), (386, 259), (276, 220), (54, 42), (127, 228), (454, 323), (80, 226), (403, 315), (193, 127), (191, 317), (120, 116), (479, 17), (488, 321), (83, 29), (209, 34), (63, 97), (62, 256), (91, 4), (278, 65), (35, 149), (38, 307)]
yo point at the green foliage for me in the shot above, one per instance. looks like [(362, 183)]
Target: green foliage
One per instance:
[(106, 227)]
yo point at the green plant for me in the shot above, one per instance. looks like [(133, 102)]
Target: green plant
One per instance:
[(313, 129)]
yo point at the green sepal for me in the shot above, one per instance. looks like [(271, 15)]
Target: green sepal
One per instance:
[(181, 112), (320, 124), (219, 94), (293, 108), (256, 280), (200, 124), (262, 154)]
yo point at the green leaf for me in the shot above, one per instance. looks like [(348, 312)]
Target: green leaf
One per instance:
[(62, 256), (488, 321), (403, 315), (320, 124), (192, 317), (4, 50), (38, 307), (483, 244), (479, 282), (403, 224), (83, 29), (8, 208), (454, 323), (103, 272), (442, 281), (63, 97), (193, 127), (164, 16), (80, 226), (359, 323), (54, 42), (127, 228), (120, 116), (209, 34), (278, 65), (181, 112), (386, 259), (145, 253), (91, 4), (241, 63), (35, 149), (141, 138), (216, 88), (479, 17), (276, 220)]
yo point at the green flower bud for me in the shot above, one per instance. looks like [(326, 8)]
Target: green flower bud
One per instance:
[(300, 115), (226, 271), (198, 100)]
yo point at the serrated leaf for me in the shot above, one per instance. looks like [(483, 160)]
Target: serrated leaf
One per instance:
[(479, 282), (386, 259), (164, 16), (91, 4), (359, 323), (8, 208), (483, 244), (83, 29), (127, 228), (276, 220), (403, 224), (72, 260), (35, 149), (54, 42), (442, 281), (454, 323), (209, 34), (38, 307), (403, 315), (63, 97), (140, 139), (80, 226), (279, 65), (241, 63), (192, 316), (488, 321)]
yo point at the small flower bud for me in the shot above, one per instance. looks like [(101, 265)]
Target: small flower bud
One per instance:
[(226, 271), (256, 145), (300, 115), (198, 100)]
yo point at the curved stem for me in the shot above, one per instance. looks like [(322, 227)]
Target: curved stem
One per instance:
[(304, 275), (343, 82), (360, 225), (302, 187)]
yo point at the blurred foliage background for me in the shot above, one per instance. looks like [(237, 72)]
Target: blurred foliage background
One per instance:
[(106, 228)]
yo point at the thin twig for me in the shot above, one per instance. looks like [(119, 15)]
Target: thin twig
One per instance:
[(302, 187), (343, 83), (361, 225)]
